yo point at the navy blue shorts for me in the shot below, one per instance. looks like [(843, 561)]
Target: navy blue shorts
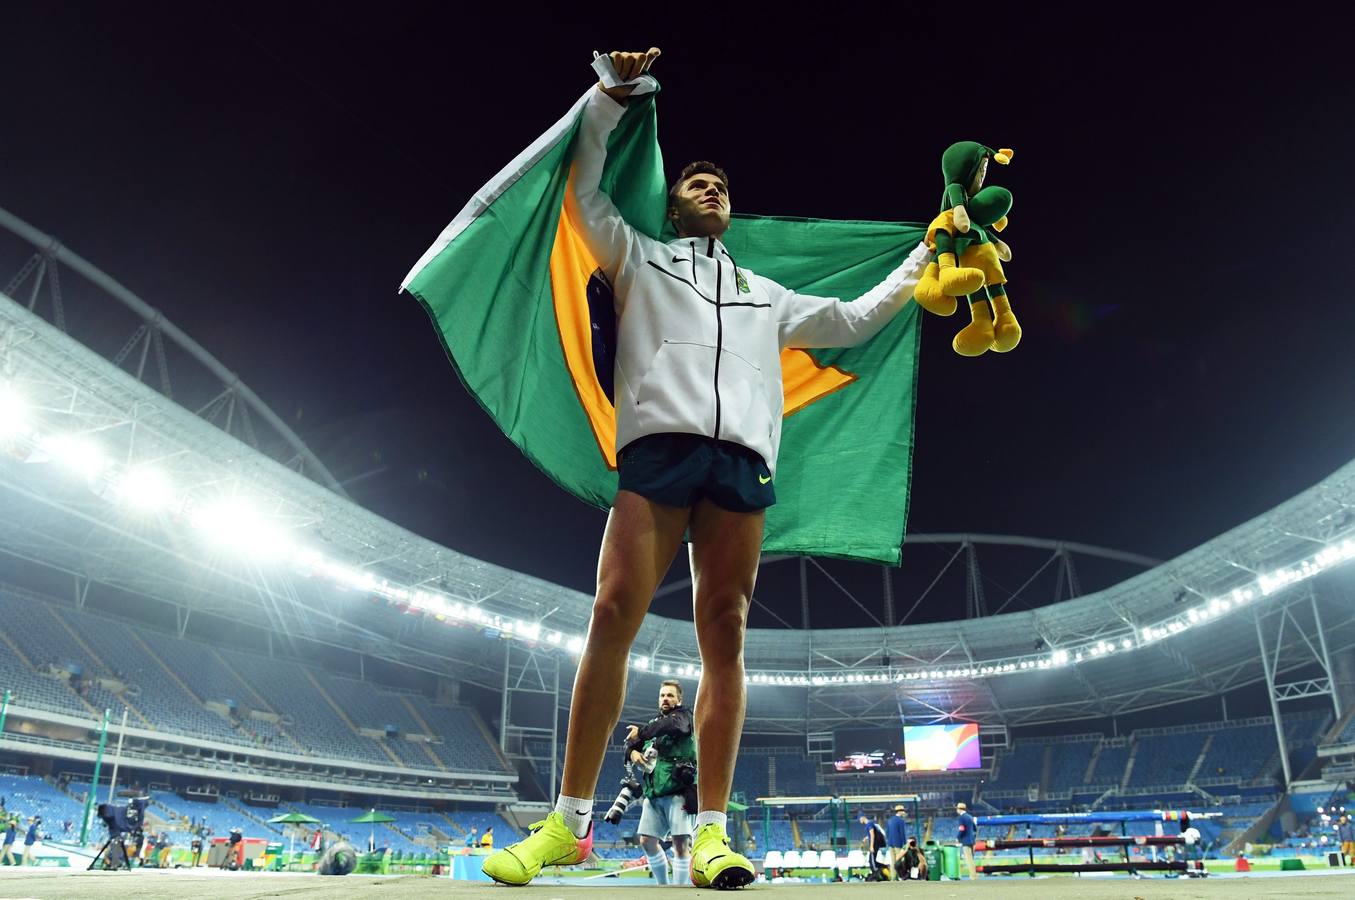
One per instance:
[(680, 469)]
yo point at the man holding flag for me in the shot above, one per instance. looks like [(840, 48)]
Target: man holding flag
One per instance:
[(699, 402)]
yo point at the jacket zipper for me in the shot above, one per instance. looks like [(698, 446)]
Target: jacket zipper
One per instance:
[(719, 333)]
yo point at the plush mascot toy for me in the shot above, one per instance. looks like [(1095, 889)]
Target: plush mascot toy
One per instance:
[(968, 260)]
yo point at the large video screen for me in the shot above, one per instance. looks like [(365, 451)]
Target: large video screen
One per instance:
[(868, 749), (942, 748)]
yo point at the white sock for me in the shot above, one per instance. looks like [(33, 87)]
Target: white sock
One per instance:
[(577, 813), (682, 870), (658, 864), (707, 816)]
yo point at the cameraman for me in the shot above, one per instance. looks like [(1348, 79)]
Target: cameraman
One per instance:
[(666, 750)]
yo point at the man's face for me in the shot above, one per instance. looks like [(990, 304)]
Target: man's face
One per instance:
[(701, 207), (668, 698)]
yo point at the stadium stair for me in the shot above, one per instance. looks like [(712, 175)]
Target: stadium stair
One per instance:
[(248, 814), (1129, 767), (1335, 734), (456, 831), (122, 695), (19, 654), (419, 720), (408, 837), (1255, 833), (258, 702), (343, 716), (173, 676), (1046, 765), (795, 833), (1091, 764), (1199, 760), (771, 778), (491, 740)]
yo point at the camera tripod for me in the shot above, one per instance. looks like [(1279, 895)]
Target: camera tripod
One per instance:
[(121, 840)]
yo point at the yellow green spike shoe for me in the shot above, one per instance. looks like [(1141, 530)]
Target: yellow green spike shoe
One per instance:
[(551, 843), (715, 865)]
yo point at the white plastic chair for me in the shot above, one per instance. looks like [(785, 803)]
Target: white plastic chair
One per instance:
[(792, 859), (855, 859), (882, 857), (809, 859), (828, 860), (772, 860)]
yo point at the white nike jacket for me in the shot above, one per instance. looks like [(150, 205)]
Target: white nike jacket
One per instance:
[(694, 355)]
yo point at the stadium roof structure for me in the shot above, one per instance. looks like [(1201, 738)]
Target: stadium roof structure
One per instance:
[(111, 482)]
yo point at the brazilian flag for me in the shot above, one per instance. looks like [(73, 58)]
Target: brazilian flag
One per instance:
[(511, 288)]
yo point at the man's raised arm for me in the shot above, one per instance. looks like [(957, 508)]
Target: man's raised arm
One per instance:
[(808, 321), (590, 210)]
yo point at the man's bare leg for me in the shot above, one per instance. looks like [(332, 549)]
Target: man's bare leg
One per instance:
[(641, 539), (724, 554)]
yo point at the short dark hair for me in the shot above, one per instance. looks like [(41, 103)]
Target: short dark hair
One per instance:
[(700, 167), (674, 684)]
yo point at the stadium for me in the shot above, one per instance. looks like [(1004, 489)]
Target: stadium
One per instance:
[(320, 635), (195, 612)]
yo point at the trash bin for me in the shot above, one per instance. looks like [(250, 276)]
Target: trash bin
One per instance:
[(931, 851), (950, 861)]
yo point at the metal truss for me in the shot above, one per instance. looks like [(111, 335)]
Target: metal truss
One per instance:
[(232, 408), (1300, 617), (529, 672), (1056, 555), (71, 530)]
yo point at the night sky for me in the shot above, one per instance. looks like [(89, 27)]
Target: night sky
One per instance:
[(266, 174)]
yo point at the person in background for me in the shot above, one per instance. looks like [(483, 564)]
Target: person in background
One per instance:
[(873, 843), (896, 835), (1345, 831), (197, 850), (487, 839), (473, 838), (31, 839), (666, 750), (11, 832), (965, 835), (233, 859), (914, 862)]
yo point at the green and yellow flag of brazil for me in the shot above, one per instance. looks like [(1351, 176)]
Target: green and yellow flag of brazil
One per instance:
[(508, 284)]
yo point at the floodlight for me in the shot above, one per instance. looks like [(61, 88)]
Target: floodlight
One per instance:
[(145, 489), (235, 525), (78, 454)]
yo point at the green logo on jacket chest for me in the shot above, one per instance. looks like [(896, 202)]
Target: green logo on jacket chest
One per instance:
[(742, 282)]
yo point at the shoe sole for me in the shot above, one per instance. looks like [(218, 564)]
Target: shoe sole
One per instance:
[(732, 879)]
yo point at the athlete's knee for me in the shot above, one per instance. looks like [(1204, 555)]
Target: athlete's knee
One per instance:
[(614, 616), (722, 618)]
